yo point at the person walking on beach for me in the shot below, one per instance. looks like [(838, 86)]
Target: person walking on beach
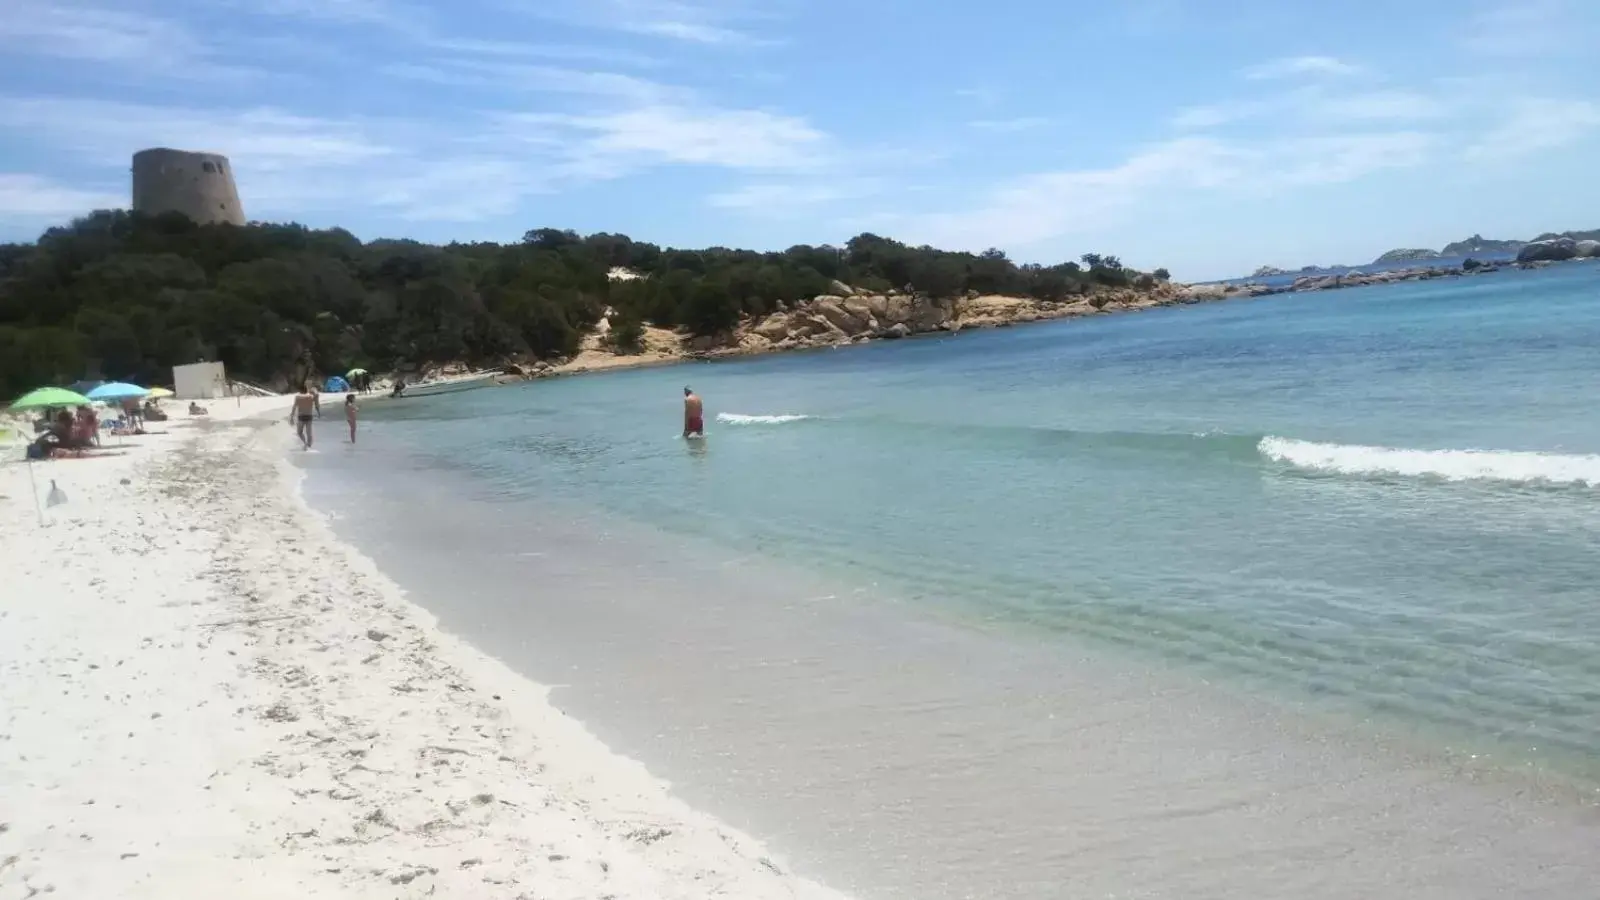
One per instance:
[(350, 414), (306, 406), (694, 424)]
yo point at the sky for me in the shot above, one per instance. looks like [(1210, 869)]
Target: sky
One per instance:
[(1206, 137)]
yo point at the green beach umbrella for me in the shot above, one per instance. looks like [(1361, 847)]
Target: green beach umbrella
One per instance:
[(49, 396), (354, 372)]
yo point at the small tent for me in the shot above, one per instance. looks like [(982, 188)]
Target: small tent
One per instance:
[(336, 385)]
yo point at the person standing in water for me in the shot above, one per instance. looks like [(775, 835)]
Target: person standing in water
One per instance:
[(350, 414), (694, 424), (306, 406)]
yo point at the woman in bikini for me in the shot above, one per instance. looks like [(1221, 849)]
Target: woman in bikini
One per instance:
[(350, 414)]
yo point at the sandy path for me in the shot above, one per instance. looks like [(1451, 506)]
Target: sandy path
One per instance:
[(203, 694)]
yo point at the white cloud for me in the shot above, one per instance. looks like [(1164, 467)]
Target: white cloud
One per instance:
[(109, 132), (1340, 158), (1049, 204), (386, 13), (690, 31), (482, 165), (505, 76), (1021, 123), (1535, 125), (1399, 105), (1529, 28), (138, 44), (1318, 106), (1302, 137), (650, 135), (1213, 115), (1300, 66), (285, 164), (715, 23), (779, 198), (1044, 206), (984, 97), (92, 35), (478, 49), (36, 199)]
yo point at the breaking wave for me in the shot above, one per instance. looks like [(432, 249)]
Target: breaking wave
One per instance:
[(740, 419), (1514, 466)]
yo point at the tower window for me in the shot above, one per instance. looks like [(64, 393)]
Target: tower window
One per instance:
[(207, 166)]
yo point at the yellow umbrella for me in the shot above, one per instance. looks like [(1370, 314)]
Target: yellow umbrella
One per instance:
[(159, 393)]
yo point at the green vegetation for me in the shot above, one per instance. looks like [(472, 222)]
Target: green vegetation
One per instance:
[(127, 296)]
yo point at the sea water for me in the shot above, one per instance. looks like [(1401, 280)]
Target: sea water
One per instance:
[(1294, 595)]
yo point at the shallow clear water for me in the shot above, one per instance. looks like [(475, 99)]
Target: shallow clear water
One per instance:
[(1237, 531)]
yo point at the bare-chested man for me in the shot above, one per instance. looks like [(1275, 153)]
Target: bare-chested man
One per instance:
[(694, 424), (307, 405)]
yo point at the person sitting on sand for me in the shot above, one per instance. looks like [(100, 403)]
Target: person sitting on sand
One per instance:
[(350, 414), (196, 409), (62, 438), (694, 424), (307, 405), (87, 426)]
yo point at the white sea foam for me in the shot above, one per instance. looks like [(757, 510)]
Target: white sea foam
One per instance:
[(1519, 466), (740, 419)]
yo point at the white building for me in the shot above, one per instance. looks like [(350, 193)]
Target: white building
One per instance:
[(200, 381)]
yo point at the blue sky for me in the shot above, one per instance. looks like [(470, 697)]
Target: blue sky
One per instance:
[(1204, 136)]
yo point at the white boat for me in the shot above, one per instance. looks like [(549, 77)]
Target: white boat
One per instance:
[(448, 385)]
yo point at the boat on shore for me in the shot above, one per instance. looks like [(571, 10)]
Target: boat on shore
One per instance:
[(446, 385)]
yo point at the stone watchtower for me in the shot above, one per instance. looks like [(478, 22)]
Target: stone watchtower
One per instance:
[(199, 185)]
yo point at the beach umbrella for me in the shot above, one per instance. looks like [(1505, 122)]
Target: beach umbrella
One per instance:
[(160, 393), (44, 398), (354, 372), (117, 390), (49, 396)]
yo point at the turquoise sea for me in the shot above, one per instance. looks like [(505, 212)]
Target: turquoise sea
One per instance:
[(1289, 596)]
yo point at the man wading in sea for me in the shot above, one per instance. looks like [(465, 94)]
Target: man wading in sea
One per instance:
[(693, 415), (306, 404)]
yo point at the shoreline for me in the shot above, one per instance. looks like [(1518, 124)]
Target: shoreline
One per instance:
[(225, 696), (665, 347)]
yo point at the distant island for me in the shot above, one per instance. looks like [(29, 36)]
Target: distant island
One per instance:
[(1273, 271), (1478, 245), (1406, 255)]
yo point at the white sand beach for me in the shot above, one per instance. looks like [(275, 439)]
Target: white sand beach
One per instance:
[(204, 694)]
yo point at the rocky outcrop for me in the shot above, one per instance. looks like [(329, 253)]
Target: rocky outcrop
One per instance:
[(849, 316), (1405, 254), (1363, 279), (1588, 249), (1553, 250), (1478, 245)]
